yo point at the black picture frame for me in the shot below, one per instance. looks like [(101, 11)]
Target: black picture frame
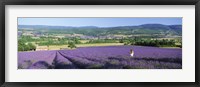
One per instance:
[(99, 2)]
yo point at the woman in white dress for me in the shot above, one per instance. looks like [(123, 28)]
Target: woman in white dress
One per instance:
[(131, 53)]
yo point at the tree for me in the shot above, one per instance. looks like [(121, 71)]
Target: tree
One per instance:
[(21, 45), (31, 46), (71, 45), (76, 41)]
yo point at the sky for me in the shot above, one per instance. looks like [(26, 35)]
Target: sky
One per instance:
[(99, 22)]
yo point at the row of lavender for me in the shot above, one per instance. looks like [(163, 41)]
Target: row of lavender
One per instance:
[(109, 57)]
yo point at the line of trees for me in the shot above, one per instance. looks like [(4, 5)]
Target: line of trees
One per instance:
[(157, 43), (150, 42)]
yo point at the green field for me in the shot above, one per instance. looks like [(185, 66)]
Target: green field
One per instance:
[(58, 47)]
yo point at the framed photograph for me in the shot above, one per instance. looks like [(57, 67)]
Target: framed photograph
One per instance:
[(100, 43)]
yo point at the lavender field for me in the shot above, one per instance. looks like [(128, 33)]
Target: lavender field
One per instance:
[(107, 57)]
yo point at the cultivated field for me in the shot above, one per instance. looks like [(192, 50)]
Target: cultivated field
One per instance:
[(103, 57), (58, 47)]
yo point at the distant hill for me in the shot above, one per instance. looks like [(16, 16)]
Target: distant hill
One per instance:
[(177, 28), (51, 27), (93, 30)]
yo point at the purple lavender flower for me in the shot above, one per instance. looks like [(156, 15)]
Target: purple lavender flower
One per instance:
[(108, 57)]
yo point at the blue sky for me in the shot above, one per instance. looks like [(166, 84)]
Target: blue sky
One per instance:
[(99, 22)]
